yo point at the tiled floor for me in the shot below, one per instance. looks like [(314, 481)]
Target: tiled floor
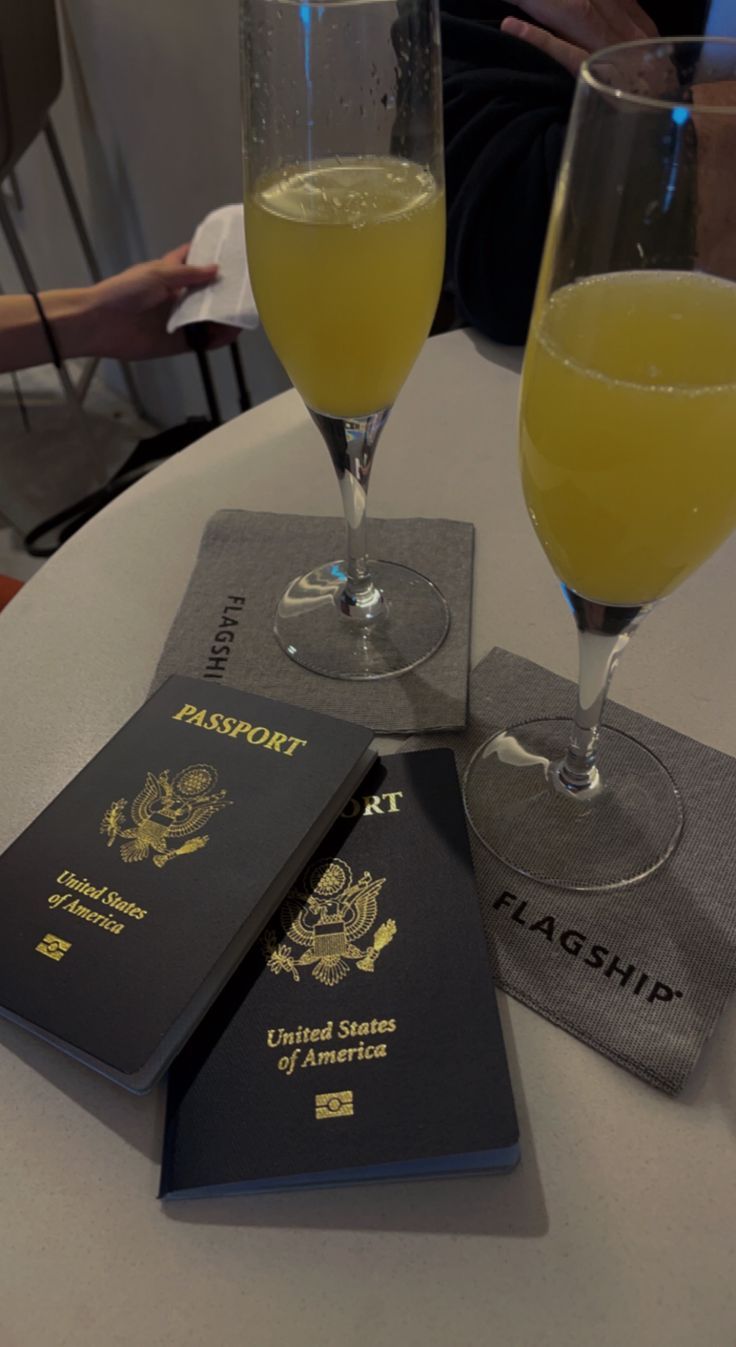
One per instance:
[(54, 456)]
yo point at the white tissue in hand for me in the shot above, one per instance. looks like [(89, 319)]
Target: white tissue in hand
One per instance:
[(220, 238)]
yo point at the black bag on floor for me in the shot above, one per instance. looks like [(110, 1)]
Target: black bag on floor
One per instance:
[(45, 538)]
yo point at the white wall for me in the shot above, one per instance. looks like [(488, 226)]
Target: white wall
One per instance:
[(149, 121)]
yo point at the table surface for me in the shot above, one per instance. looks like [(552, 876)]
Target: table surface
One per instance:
[(619, 1226)]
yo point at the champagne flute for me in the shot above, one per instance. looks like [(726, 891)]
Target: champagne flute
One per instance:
[(345, 229), (627, 439)]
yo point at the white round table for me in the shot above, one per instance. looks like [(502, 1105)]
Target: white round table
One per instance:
[(620, 1224)]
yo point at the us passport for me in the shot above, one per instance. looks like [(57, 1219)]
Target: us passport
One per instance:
[(360, 1039), (129, 902)]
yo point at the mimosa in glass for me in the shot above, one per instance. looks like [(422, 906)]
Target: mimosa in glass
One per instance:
[(627, 440), (625, 374), (363, 237), (345, 231)]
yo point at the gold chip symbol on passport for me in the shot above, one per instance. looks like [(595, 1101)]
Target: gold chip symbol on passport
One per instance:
[(53, 947), (336, 1104)]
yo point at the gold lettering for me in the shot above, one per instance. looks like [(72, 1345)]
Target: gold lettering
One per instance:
[(364, 1028), (130, 909), (294, 743), (359, 1052), (98, 918), (242, 727), (373, 804), (288, 1062), (260, 736), (109, 898), (186, 711), (305, 1033)]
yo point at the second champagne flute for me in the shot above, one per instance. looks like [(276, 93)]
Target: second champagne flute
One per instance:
[(627, 425), (345, 229)]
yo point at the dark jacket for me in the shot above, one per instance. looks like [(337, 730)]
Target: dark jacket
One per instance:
[(506, 112)]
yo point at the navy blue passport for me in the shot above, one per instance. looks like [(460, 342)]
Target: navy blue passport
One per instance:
[(129, 902), (360, 1039)]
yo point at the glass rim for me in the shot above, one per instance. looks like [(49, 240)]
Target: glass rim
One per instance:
[(587, 72)]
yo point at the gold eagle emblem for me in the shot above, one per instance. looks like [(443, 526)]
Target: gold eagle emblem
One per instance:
[(326, 914), (164, 812)]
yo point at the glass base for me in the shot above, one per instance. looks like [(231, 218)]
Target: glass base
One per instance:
[(524, 815), (332, 638)]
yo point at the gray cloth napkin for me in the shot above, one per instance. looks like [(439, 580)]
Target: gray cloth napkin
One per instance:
[(678, 926), (224, 627)]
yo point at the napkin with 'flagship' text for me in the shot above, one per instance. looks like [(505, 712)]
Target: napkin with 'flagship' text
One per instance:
[(641, 972), (223, 630)]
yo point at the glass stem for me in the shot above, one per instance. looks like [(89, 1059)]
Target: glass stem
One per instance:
[(604, 631), (352, 445)]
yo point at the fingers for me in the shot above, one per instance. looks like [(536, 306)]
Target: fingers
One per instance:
[(180, 276), (576, 22), (565, 53), (579, 27), (591, 24), (177, 255), (635, 20)]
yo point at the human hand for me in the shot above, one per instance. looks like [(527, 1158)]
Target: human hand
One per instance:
[(715, 188), (579, 27), (127, 313)]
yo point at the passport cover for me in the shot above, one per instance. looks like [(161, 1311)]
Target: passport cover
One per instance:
[(360, 1039), (128, 903)]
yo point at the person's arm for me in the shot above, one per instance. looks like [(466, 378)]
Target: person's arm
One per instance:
[(22, 339), (124, 316)]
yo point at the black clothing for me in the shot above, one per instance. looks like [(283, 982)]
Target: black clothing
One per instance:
[(506, 112)]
